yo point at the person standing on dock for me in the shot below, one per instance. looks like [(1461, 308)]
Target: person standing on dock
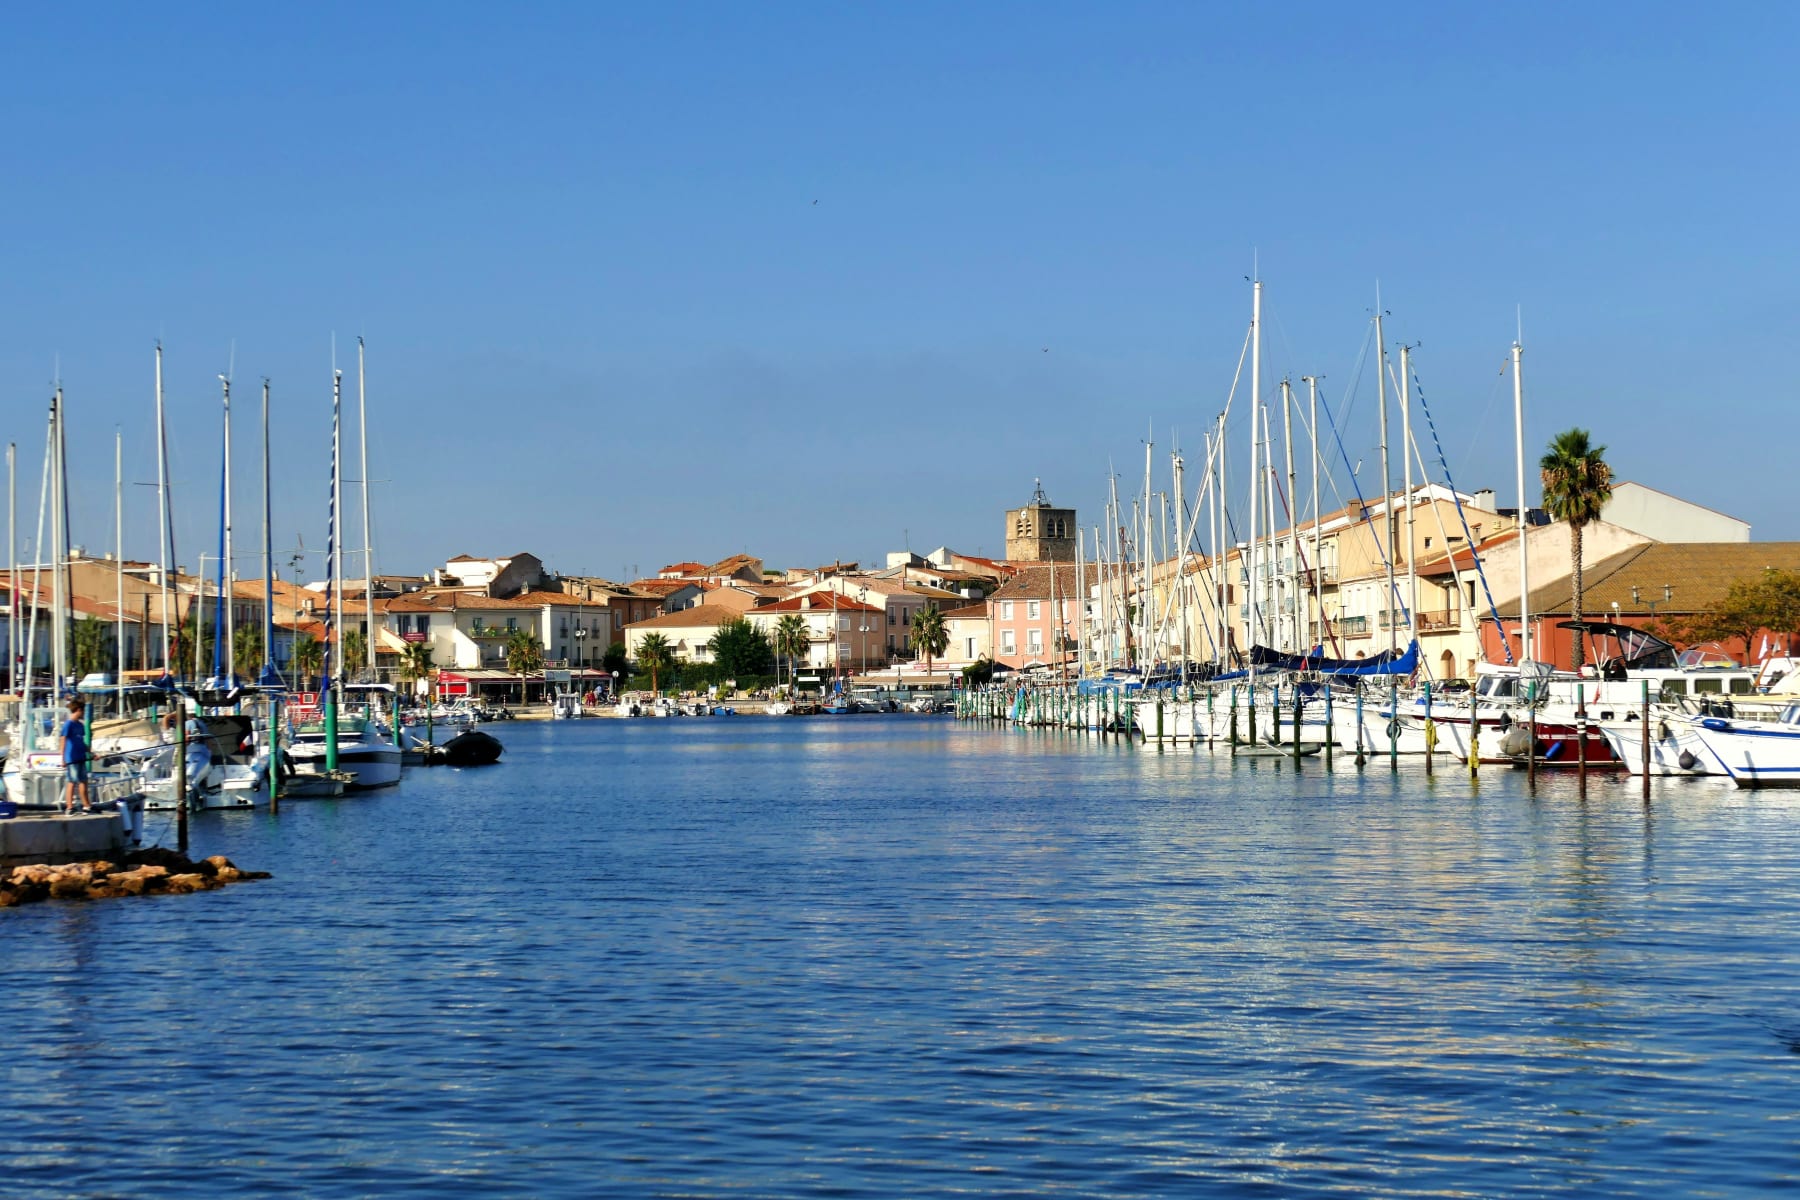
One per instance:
[(75, 757)]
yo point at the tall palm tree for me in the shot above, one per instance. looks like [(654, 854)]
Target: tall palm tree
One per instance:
[(1577, 485), (356, 652), (792, 638), (309, 659), (523, 655), (929, 637), (90, 645), (247, 649), (415, 662), (655, 655)]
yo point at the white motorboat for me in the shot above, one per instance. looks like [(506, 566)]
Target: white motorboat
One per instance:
[(1755, 753), (363, 750)]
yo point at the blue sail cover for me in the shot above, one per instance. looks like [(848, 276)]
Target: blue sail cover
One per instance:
[(1386, 663)]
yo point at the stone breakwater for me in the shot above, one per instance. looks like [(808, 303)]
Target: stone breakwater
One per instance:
[(139, 873)]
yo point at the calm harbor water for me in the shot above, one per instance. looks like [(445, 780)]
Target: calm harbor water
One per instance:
[(898, 956)]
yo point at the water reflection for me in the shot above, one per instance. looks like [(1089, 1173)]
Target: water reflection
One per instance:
[(893, 956)]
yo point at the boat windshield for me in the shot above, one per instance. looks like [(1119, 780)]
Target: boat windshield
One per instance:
[(1497, 687)]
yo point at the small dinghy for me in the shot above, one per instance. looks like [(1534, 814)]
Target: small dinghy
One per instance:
[(471, 748)]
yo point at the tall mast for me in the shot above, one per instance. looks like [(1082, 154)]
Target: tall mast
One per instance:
[(59, 530), (1406, 458), (1146, 567), (167, 530), (1183, 534), (12, 567), (227, 576), (337, 506), (1252, 584), (1272, 557), (1221, 587), (1315, 620), (268, 568), (1387, 478), (1518, 353), (1293, 509), (119, 567), (362, 437), (1080, 604)]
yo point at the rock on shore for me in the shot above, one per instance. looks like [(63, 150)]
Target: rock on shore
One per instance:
[(138, 873)]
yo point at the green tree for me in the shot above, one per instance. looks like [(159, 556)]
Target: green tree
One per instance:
[(91, 646), (415, 662), (247, 649), (792, 640), (929, 637), (655, 655), (308, 661), (979, 672), (524, 654), (1769, 601), (356, 653), (740, 649), (1577, 485)]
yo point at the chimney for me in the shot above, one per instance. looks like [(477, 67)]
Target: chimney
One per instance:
[(1483, 499)]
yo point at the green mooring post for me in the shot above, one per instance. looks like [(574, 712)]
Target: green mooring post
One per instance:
[(1360, 759), (1393, 725), (331, 728), (1330, 735), (1644, 729), (1234, 725), (1430, 730), (1296, 727), (1250, 707)]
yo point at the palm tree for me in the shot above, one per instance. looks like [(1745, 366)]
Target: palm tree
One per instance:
[(415, 662), (654, 654), (90, 645), (929, 637), (792, 638), (523, 655), (1577, 485), (247, 649), (356, 652), (309, 658)]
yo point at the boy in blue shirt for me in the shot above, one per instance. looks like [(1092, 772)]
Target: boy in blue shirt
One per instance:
[(75, 757)]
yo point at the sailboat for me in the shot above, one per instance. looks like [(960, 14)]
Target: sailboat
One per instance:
[(355, 741)]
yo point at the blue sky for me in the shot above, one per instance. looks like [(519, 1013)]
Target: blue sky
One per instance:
[(645, 283)]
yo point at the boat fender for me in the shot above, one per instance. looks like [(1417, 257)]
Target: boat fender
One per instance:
[(1687, 760), (1716, 724), (1505, 722), (1662, 733), (1393, 728), (1431, 736)]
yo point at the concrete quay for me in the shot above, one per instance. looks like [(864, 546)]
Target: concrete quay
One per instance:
[(34, 837)]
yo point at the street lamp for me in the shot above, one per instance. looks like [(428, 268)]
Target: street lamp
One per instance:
[(580, 637), (615, 679), (862, 629)]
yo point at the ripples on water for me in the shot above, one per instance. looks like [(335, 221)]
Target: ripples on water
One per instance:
[(902, 957)]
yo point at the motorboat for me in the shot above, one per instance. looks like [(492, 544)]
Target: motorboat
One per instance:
[(363, 749), (1755, 753)]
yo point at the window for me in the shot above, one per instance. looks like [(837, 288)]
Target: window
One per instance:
[(971, 653), (906, 616), (843, 624), (1007, 646), (512, 623), (843, 651), (1034, 641), (477, 625), (1006, 610), (1033, 609)]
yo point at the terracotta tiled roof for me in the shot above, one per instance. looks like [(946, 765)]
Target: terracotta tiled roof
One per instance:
[(1033, 582), (1697, 574), (702, 616), (1464, 558), (683, 568), (968, 612), (818, 602)]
